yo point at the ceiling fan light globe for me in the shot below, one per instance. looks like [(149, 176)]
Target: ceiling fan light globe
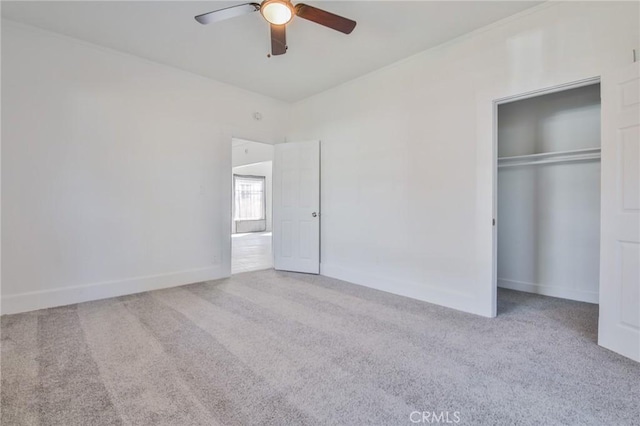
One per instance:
[(277, 12)]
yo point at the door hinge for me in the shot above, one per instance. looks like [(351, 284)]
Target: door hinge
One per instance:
[(493, 222)]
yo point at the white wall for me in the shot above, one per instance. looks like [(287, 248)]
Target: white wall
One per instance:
[(116, 172), (549, 215), (407, 152), (261, 169), (248, 152)]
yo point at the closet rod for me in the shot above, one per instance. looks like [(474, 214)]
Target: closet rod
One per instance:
[(582, 151), (590, 157)]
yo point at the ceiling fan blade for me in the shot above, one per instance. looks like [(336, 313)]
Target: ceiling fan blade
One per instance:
[(325, 18), (228, 12), (278, 39)]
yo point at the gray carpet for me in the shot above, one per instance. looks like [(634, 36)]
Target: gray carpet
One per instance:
[(286, 349)]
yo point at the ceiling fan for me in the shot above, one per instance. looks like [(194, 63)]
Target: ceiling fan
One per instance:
[(278, 13)]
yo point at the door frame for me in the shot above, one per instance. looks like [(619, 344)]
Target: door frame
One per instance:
[(232, 194), (231, 187), (494, 165)]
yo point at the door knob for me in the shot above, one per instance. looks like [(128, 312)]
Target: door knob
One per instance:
[(314, 214)]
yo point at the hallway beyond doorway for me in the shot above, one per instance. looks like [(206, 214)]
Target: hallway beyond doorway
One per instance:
[(251, 252)]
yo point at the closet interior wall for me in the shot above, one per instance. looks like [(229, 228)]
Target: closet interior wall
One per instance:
[(549, 195)]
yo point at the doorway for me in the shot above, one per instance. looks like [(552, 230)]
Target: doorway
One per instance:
[(547, 192), (252, 212)]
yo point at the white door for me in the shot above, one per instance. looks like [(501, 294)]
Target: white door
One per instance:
[(296, 207), (619, 324)]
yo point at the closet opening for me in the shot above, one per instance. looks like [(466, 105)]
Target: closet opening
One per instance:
[(547, 196)]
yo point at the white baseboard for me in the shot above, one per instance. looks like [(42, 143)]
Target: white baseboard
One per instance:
[(31, 301), (413, 289), (553, 291)]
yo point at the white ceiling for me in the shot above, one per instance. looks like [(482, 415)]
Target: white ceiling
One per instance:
[(235, 51)]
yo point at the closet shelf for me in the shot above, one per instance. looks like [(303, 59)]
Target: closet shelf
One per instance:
[(587, 154)]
